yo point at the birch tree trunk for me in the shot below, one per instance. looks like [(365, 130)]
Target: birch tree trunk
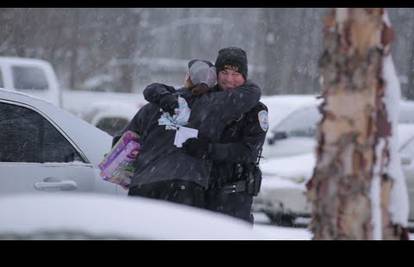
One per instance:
[(351, 187)]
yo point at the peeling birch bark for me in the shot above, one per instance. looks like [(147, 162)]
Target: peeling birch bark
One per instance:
[(354, 122)]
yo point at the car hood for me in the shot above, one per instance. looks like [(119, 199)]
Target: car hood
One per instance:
[(297, 168), (100, 216)]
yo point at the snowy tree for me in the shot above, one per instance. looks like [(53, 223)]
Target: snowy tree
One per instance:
[(358, 189), (290, 70)]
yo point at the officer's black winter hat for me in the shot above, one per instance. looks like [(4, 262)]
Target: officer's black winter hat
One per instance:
[(233, 56)]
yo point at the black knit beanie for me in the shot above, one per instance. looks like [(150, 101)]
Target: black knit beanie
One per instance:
[(234, 57)]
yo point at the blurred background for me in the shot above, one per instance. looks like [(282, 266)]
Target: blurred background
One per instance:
[(125, 49)]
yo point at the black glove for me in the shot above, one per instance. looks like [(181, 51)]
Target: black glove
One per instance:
[(198, 148), (168, 103), (200, 89)]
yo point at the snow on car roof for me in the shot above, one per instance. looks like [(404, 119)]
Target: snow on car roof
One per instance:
[(22, 94), (20, 60)]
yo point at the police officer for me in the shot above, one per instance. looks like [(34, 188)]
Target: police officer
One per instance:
[(235, 175), (164, 171), (229, 137)]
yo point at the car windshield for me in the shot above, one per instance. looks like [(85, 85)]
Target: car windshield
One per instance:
[(303, 122), (29, 78), (300, 123)]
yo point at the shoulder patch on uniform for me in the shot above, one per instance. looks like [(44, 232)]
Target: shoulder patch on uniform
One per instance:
[(263, 120)]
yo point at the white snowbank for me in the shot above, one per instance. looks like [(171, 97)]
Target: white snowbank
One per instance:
[(99, 215), (399, 204)]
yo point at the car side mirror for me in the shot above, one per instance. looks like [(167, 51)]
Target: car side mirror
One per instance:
[(406, 160)]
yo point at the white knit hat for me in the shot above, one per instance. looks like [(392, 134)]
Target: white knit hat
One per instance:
[(201, 72)]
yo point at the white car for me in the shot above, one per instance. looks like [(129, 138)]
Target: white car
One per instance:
[(108, 111), (280, 106), (110, 117), (92, 216), (46, 149), (293, 121), (289, 160), (294, 134), (32, 76)]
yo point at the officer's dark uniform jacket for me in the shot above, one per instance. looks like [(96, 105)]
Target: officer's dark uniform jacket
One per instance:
[(235, 177), (159, 159), (238, 149)]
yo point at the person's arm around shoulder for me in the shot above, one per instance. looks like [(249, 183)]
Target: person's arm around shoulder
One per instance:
[(162, 95), (155, 91), (254, 135), (246, 150), (231, 104)]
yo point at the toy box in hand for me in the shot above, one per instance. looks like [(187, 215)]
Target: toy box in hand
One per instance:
[(117, 166)]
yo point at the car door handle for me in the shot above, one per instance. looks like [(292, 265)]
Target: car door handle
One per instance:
[(54, 183)]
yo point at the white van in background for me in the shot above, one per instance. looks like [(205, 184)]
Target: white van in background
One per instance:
[(32, 76), (108, 111)]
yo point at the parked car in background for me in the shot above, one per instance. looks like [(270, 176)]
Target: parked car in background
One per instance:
[(46, 149), (109, 111), (32, 76), (289, 159), (293, 121), (406, 111), (109, 117), (294, 134), (88, 216), (279, 106)]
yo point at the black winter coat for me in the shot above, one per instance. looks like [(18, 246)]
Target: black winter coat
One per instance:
[(159, 159), (240, 144)]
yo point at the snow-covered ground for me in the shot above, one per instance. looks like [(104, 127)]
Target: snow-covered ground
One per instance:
[(262, 225), (95, 216)]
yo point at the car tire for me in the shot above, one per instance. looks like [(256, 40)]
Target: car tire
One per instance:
[(282, 219)]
